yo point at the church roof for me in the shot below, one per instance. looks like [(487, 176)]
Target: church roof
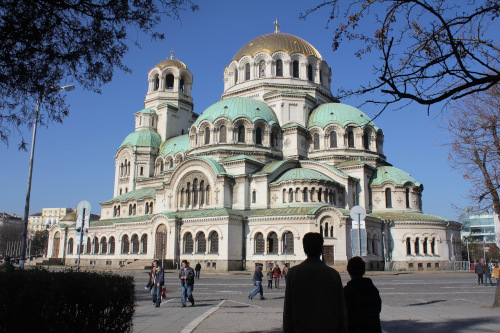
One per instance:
[(407, 216), (142, 138), (274, 42), (302, 174), (146, 111), (242, 157), (391, 174), (170, 63), (239, 107), (292, 124), (271, 167), (174, 145), (137, 195), (338, 113), (219, 169)]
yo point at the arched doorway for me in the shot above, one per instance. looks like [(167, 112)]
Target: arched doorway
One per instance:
[(161, 242), (56, 245)]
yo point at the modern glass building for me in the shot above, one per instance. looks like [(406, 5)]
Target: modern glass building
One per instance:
[(481, 227)]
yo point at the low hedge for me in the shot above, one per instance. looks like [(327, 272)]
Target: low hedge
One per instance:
[(67, 301)]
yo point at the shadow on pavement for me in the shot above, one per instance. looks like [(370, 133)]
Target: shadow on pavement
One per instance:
[(427, 303), (449, 326)]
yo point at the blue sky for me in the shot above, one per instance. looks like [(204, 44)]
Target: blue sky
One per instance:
[(74, 161)]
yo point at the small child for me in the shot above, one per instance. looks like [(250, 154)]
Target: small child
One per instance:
[(362, 300), (270, 278)]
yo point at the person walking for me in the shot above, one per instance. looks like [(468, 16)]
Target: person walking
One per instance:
[(285, 271), (487, 274), (197, 270), (257, 281), (270, 278), (362, 300), (478, 269), (496, 273), (156, 281), (314, 296), (186, 275), (277, 276)]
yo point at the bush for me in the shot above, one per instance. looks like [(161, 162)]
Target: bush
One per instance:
[(68, 301)]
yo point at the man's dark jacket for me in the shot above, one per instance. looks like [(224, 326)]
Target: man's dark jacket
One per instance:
[(160, 278), (479, 269), (363, 306), (314, 299), (189, 274)]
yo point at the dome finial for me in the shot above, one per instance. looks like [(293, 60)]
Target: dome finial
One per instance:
[(277, 26), (172, 54)]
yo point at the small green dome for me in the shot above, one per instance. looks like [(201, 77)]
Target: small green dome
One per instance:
[(146, 111), (391, 174), (302, 174), (142, 138), (174, 145), (239, 107), (338, 113)]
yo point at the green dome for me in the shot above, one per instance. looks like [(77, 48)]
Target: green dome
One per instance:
[(391, 174), (239, 107), (338, 113), (174, 145), (142, 138), (302, 174)]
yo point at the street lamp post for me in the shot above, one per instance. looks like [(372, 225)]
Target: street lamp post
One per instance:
[(484, 251), (30, 171)]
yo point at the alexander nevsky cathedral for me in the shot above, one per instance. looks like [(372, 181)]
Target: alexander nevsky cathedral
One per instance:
[(240, 184)]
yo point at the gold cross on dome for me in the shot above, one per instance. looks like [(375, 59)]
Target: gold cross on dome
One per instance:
[(172, 54), (277, 26)]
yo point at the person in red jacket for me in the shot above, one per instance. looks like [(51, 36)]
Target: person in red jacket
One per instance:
[(277, 276)]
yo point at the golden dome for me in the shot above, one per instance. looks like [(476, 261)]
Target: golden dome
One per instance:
[(275, 42), (170, 63)]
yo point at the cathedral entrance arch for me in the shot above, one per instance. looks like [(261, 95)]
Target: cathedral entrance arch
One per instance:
[(56, 245), (161, 242)]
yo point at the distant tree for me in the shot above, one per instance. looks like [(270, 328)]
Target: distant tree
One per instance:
[(48, 43), (40, 242), (493, 253), (430, 51), (9, 233)]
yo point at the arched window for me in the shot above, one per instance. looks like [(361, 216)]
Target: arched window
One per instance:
[(144, 243), (207, 136), (375, 244), (279, 68), (333, 139), (181, 86), (262, 69), (254, 196), (130, 209), (134, 207), (170, 81), (297, 195), (241, 133), (288, 242), (135, 244), (125, 244), (417, 245), (201, 243), (350, 139), (146, 208), (290, 195), (316, 141), (235, 76), (89, 245), (70, 246), (188, 243), (195, 192), (202, 193), (222, 134), (366, 140), (320, 192), (425, 245), (259, 243), (433, 246), (284, 195), (305, 196), (408, 246), (182, 198), (247, 71), (274, 139), (104, 246), (96, 245), (188, 195), (326, 229), (111, 245), (295, 69), (258, 136), (118, 210), (156, 82), (388, 198), (310, 72), (213, 239), (171, 163), (407, 196), (208, 195), (272, 243)]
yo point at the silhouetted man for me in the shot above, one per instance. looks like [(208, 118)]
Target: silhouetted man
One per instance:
[(314, 297)]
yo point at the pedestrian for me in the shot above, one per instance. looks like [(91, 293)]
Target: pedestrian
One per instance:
[(186, 275), (156, 282), (257, 281), (285, 271), (478, 269), (270, 278), (277, 276), (487, 274), (197, 270), (496, 273), (314, 296), (362, 300)]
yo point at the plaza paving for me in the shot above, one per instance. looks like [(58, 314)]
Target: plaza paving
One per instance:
[(416, 302)]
